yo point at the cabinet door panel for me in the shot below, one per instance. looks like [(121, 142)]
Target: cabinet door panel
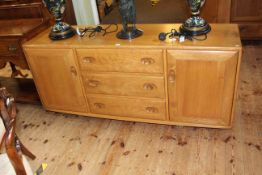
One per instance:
[(57, 80), (201, 86)]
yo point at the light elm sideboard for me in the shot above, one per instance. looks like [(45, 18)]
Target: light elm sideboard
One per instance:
[(146, 80)]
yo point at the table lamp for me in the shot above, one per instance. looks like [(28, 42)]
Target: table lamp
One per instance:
[(128, 13)]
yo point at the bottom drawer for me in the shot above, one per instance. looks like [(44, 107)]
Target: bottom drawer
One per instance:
[(128, 107)]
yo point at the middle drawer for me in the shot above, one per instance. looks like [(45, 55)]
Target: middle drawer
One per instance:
[(125, 85)]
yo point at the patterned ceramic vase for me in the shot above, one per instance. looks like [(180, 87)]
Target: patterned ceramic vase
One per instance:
[(60, 30), (195, 25)]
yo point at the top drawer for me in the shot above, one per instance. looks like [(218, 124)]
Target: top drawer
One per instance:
[(121, 60), (9, 47)]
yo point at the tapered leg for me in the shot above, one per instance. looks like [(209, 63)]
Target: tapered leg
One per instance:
[(16, 72), (2, 140), (16, 161), (26, 152)]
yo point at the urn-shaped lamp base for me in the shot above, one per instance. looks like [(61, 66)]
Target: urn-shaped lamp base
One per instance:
[(195, 31), (194, 26), (61, 31)]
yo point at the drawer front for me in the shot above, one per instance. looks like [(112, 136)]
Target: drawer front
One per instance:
[(9, 47), (126, 85), (128, 107), (121, 60)]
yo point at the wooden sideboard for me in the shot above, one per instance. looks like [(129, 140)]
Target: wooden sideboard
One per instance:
[(192, 83), (20, 20)]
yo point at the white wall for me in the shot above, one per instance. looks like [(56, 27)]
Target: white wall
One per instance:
[(86, 12)]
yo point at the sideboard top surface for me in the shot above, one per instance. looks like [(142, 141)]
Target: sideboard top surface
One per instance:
[(222, 36)]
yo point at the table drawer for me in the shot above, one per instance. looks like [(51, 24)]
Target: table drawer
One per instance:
[(130, 85), (128, 107), (9, 47), (121, 60)]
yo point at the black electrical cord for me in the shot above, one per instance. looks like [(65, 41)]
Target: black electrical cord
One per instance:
[(112, 31), (200, 39), (98, 29), (174, 34)]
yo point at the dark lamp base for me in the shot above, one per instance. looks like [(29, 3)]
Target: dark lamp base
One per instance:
[(62, 35), (130, 34), (195, 31)]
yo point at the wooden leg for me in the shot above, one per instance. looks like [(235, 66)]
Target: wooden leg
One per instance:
[(16, 161), (25, 151), (16, 72), (2, 140)]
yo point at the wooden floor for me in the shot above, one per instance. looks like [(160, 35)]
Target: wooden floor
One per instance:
[(81, 145)]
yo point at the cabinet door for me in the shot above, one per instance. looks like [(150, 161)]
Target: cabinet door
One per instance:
[(56, 76), (201, 86)]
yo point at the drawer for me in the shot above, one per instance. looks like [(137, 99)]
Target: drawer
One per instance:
[(121, 60), (126, 85), (128, 107), (9, 47)]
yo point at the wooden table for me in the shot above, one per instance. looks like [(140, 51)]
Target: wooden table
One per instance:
[(19, 21)]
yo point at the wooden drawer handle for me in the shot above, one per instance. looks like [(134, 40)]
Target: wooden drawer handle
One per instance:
[(99, 105), (12, 48), (152, 109), (147, 61), (88, 59), (172, 76), (73, 70), (149, 86), (93, 83)]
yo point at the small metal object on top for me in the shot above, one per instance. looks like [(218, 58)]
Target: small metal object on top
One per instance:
[(128, 13), (195, 25), (60, 30)]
